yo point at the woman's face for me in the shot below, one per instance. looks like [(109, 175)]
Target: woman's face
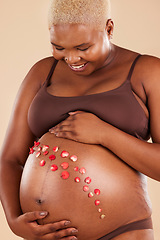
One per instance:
[(83, 48)]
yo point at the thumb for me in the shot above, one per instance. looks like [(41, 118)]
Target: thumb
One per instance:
[(33, 216)]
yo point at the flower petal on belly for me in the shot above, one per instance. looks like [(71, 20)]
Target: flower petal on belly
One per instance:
[(52, 157), (31, 151), (77, 179), (45, 148), (65, 165), (97, 191), (38, 154), (76, 169), (74, 158), (65, 175), (97, 202), (90, 194), (36, 144), (54, 167), (55, 149), (64, 154), (42, 163), (82, 170), (88, 180), (85, 188)]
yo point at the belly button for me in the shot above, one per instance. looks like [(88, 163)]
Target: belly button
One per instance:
[(38, 201)]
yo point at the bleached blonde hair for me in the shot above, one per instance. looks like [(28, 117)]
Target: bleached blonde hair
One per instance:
[(90, 12)]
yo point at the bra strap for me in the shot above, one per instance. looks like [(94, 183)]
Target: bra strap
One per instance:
[(132, 67), (50, 73)]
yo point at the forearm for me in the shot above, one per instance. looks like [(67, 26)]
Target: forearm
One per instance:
[(141, 155), (10, 176)]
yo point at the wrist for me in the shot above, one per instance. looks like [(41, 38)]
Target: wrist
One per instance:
[(102, 134)]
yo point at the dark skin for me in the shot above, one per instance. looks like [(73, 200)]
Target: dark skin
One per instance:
[(146, 86)]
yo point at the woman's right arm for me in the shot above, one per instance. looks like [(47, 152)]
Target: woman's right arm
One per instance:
[(13, 156)]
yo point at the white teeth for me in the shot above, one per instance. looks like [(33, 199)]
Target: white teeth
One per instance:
[(77, 67)]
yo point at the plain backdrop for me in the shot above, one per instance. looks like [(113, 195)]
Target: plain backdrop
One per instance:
[(24, 39)]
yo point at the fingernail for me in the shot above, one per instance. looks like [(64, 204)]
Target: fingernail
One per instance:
[(51, 130), (74, 231), (71, 113), (67, 223), (43, 213), (74, 238)]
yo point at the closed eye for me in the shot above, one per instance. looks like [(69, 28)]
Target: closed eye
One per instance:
[(59, 49), (84, 49)]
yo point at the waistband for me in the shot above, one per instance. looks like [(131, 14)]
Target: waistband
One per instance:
[(137, 225)]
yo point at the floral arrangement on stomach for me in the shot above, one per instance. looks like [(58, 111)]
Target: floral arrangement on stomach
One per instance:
[(61, 161)]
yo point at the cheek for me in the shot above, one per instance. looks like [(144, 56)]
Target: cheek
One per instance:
[(57, 55), (96, 53)]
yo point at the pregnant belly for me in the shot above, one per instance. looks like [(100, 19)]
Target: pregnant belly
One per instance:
[(86, 184)]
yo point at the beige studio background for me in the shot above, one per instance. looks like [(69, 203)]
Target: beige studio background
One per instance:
[(24, 39)]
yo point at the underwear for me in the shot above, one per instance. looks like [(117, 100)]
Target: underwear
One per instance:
[(137, 225), (118, 107)]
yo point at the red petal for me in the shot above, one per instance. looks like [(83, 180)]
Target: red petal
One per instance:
[(64, 154), (97, 202), (90, 195), (52, 157), (99, 210), (38, 154), (45, 153), (64, 165), (39, 149), (77, 179), (82, 170), (55, 149), (31, 150), (42, 163), (44, 148), (97, 191), (74, 158), (88, 180), (85, 188), (36, 144), (65, 175), (76, 169), (54, 167)]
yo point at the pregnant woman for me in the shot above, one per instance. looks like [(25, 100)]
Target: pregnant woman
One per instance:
[(86, 114)]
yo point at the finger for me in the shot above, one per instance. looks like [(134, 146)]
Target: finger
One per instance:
[(54, 227), (63, 128), (69, 135), (33, 216), (60, 128), (67, 233), (65, 122)]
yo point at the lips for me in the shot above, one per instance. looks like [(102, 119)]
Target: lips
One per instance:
[(78, 68)]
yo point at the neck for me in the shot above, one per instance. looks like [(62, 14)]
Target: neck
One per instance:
[(111, 56)]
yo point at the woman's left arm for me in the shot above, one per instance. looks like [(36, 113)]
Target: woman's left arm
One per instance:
[(143, 156)]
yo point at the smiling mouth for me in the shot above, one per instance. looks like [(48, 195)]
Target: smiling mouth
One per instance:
[(78, 67)]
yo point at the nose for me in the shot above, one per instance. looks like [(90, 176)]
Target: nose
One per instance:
[(72, 58)]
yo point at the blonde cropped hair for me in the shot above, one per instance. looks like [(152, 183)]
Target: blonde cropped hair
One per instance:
[(90, 12)]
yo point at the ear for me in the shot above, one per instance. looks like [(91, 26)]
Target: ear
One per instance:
[(109, 28)]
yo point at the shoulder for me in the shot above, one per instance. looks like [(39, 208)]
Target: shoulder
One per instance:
[(33, 81), (39, 71), (148, 72)]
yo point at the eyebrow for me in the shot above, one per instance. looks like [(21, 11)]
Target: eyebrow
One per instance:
[(81, 45)]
